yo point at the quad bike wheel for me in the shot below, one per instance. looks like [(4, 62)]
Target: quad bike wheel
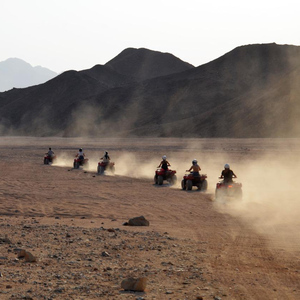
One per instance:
[(76, 165), (189, 185), (46, 161), (101, 170), (183, 186), (155, 179), (204, 185), (160, 180)]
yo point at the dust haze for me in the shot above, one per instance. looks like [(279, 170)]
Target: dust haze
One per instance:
[(267, 168)]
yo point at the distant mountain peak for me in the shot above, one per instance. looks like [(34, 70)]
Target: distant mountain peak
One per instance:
[(15, 72), (142, 63)]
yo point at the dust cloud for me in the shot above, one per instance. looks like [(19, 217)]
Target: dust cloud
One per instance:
[(271, 201), (267, 168)]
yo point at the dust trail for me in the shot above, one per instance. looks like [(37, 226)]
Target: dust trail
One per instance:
[(63, 159), (270, 198)]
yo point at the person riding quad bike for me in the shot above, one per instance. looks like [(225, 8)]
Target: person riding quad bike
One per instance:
[(49, 157), (50, 153), (164, 173), (80, 159), (227, 174), (105, 157), (195, 167), (105, 164), (80, 154), (227, 188), (164, 164), (194, 178)]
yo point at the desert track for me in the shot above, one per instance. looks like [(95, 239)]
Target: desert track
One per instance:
[(218, 248)]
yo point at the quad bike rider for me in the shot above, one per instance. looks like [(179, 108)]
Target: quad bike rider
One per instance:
[(80, 159), (227, 187), (194, 178), (164, 173), (49, 157), (105, 164)]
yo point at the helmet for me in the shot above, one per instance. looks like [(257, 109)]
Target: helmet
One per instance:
[(105, 152), (226, 166), (194, 161), (80, 149), (164, 157), (49, 148)]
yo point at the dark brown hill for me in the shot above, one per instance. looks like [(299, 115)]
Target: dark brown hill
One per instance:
[(142, 64), (252, 91)]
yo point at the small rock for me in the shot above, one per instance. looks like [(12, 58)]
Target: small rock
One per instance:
[(21, 253), (134, 284), (105, 254), (111, 230), (138, 221), (29, 257), (9, 286)]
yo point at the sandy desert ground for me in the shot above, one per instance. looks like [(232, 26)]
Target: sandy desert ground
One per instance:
[(194, 247)]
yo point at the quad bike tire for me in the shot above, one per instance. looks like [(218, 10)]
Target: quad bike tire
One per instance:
[(46, 161), (155, 179), (76, 165), (160, 180), (101, 170), (174, 179), (204, 185), (183, 186), (189, 185)]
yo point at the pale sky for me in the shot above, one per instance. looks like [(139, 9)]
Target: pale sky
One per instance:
[(72, 34)]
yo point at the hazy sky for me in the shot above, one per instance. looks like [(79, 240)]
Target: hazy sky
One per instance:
[(73, 34)]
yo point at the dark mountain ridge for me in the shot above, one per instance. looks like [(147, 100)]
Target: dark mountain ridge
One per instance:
[(252, 91), (142, 64)]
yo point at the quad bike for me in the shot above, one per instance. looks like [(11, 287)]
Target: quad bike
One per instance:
[(189, 180), (80, 162), (48, 159), (162, 174), (228, 190), (105, 166)]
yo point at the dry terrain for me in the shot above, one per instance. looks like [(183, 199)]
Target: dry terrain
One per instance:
[(71, 220)]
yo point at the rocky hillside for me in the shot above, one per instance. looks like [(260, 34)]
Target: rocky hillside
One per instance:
[(252, 91)]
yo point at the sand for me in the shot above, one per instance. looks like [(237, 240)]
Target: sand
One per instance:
[(71, 221)]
